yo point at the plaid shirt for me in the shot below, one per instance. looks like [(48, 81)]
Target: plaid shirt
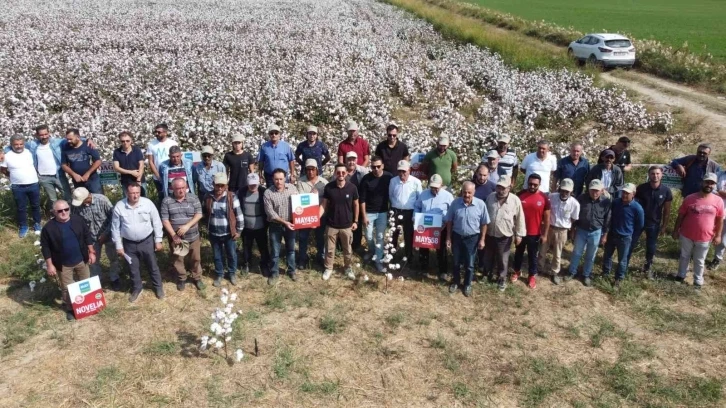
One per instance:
[(179, 213), (277, 203), (97, 215), (218, 220)]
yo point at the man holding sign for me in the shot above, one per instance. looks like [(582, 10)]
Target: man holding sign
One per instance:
[(435, 200), (340, 201), (279, 212), (311, 183)]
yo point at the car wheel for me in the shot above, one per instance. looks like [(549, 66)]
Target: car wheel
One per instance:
[(571, 55), (592, 60)]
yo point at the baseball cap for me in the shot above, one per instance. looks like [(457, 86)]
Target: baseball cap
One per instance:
[(352, 126), (707, 177), (220, 178), (567, 185), (629, 188), (493, 155), (311, 163), (624, 139), (79, 194), (238, 138), (504, 181), (596, 185), (207, 150), (312, 129), (443, 140), (253, 179), (403, 165), (350, 154), (181, 249), (504, 138), (607, 152), (273, 128), (436, 181)]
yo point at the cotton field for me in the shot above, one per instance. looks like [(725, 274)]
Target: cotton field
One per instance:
[(213, 68)]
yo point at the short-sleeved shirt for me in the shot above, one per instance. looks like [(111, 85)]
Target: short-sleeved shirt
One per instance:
[(238, 166), (566, 168), (340, 204), (507, 163), (482, 191), (128, 161), (159, 150), (652, 200), (373, 191), (441, 164), (179, 213), (317, 151), (79, 159), (274, 157), (391, 155), (562, 213), (360, 147), (466, 220), (532, 164), (700, 215), (534, 206), (20, 166)]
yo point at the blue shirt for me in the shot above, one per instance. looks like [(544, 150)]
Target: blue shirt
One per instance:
[(577, 172), (694, 173), (317, 151), (482, 191), (467, 219), (627, 218), (80, 158), (428, 203), (71, 247), (275, 157), (204, 178), (164, 173)]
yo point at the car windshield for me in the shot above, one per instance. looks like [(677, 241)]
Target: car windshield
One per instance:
[(618, 43)]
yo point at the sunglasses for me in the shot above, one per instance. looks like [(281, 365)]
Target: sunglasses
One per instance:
[(341, 173), (376, 167), (274, 133), (206, 155), (392, 135), (533, 184), (62, 210)]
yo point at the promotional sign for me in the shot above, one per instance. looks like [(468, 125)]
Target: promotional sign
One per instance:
[(670, 179), (427, 230), (416, 166), (107, 174), (86, 297), (305, 211), (195, 157)]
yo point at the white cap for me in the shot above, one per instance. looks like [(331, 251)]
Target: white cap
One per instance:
[(311, 163), (352, 126), (273, 128), (238, 137), (253, 179), (207, 150), (443, 140), (220, 178), (710, 177), (79, 195), (313, 129), (351, 154), (567, 185), (504, 138), (436, 181), (504, 181), (493, 155), (404, 165), (629, 188), (596, 184)]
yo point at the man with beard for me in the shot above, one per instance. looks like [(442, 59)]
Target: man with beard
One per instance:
[(81, 162), (340, 203), (590, 229), (312, 148), (18, 165), (46, 153), (564, 210), (392, 150), (128, 161), (536, 207), (542, 162), (608, 173), (157, 151), (574, 167), (435, 200), (312, 183), (700, 222), (354, 175), (483, 185), (255, 228), (203, 173), (627, 218), (693, 168), (354, 143), (655, 198), (276, 154), (175, 167), (492, 163), (441, 161), (507, 158), (373, 196), (622, 155)]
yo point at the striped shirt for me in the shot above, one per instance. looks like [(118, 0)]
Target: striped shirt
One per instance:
[(218, 218), (98, 214), (507, 163), (179, 213), (277, 203)]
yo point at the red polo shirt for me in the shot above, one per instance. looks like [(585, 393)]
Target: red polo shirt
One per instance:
[(360, 147), (534, 206)]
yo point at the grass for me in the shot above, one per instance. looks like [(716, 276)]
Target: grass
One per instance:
[(17, 328), (162, 348)]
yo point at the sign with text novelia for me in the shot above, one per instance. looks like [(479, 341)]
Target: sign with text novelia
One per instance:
[(86, 297), (427, 230), (305, 211)]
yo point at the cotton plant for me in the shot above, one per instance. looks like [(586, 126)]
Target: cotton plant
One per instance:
[(219, 338)]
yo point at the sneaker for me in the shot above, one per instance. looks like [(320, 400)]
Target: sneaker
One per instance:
[(453, 288), (134, 296), (467, 291), (651, 274), (181, 285), (567, 278), (116, 285), (501, 285), (588, 282), (679, 280), (293, 276), (199, 284), (443, 277), (532, 282), (515, 276), (616, 284), (246, 269), (160, 293), (70, 316), (233, 279), (273, 279), (23, 232), (713, 265), (379, 267), (327, 274), (697, 287), (37, 228), (217, 282), (556, 279), (647, 265), (349, 274)]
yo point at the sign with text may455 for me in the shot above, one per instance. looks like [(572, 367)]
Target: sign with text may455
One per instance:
[(305, 211), (86, 297), (427, 230)]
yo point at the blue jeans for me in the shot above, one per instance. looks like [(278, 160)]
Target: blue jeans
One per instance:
[(222, 246), (93, 185), (464, 249), (303, 237), (277, 233), (376, 225), (24, 194), (651, 239), (587, 242), (50, 183), (622, 244)]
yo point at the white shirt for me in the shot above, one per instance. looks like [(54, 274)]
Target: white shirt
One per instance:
[(160, 150), (46, 160), (404, 195), (562, 213), (135, 223), (20, 166), (607, 178), (532, 164)]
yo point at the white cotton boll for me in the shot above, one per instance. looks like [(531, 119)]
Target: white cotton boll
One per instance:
[(228, 339), (42, 280), (404, 259), (39, 261), (219, 344), (224, 299), (398, 266), (233, 297), (32, 285), (45, 267), (357, 265), (36, 243), (389, 276), (239, 355), (401, 245), (401, 278), (390, 213), (400, 217), (36, 233), (393, 250), (212, 340), (365, 278), (225, 291)]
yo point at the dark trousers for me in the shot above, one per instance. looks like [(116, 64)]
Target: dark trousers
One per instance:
[(142, 251), (464, 251), (440, 254), (496, 255), (651, 240), (303, 239), (249, 237), (622, 244), (358, 238), (160, 192), (407, 223), (530, 243), (93, 185), (25, 194)]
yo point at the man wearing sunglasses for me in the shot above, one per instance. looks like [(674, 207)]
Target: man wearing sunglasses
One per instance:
[(373, 192), (128, 161), (312, 148), (392, 150), (622, 154), (157, 151), (276, 154), (340, 203)]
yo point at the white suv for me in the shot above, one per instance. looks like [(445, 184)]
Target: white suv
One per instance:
[(608, 50)]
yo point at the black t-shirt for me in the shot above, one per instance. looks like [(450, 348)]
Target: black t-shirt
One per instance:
[(391, 157), (128, 161), (239, 168), (652, 201), (374, 192), (340, 204)]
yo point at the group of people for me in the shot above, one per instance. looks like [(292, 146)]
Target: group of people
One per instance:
[(562, 200)]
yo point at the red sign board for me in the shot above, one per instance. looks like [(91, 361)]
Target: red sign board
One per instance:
[(417, 166), (427, 230), (305, 211), (86, 297)]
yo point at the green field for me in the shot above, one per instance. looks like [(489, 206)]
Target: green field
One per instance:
[(699, 22)]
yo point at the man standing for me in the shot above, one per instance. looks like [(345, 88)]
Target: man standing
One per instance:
[(627, 218), (564, 210), (608, 173), (175, 167), (700, 222), (279, 214), (97, 211), (591, 228), (574, 167), (128, 161), (255, 229), (373, 196), (483, 185), (18, 165), (312, 148), (157, 151), (392, 150), (226, 223), (239, 164), (507, 224), (137, 232), (203, 173), (180, 214), (67, 248), (508, 161), (81, 162), (354, 176), (354, 143), (622, 155), (340, 202), (693, 168), (536, 207), (720, 248), (655, 198), (403, 191), (542, 162), (441, 161), (311, 183), (276, 154), (492, 164), (46, 153), (466, 228), (435, 200)]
